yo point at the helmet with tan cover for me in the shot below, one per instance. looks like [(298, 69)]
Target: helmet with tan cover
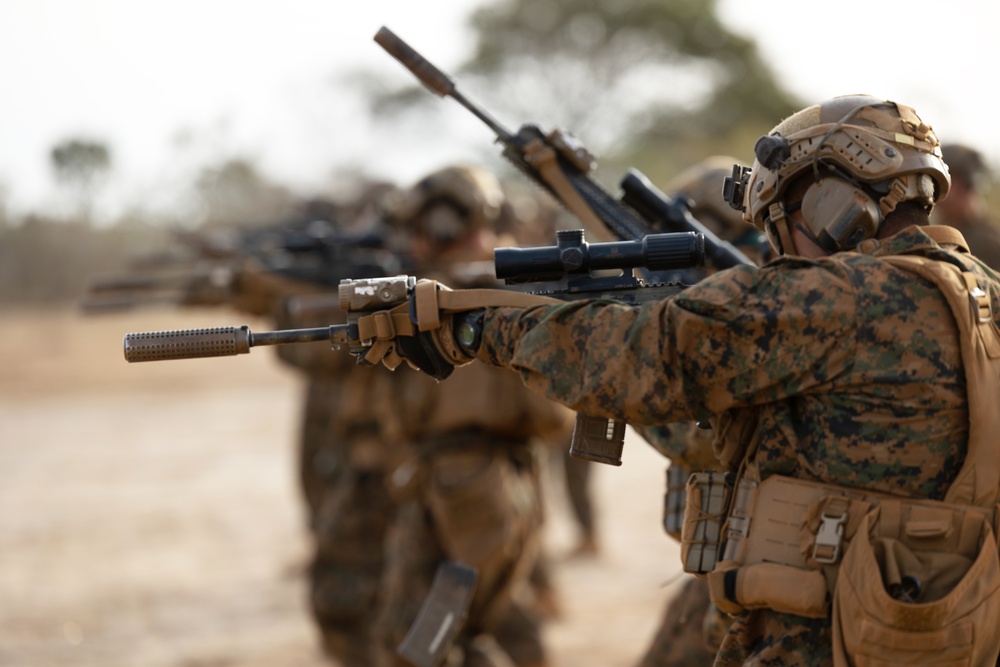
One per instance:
[(448, 204), (863, 156), (966, 165), (701, 184)]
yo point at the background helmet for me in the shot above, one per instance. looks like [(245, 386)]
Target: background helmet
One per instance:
[(966, 165), (448, 204), (866, 155), (701, 185)]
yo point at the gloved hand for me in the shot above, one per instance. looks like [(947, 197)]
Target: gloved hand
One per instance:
[(422, 353), (422, 322), (444, 340), (419, 332)]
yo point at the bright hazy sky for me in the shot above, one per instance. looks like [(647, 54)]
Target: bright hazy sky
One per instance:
[(171, 84)]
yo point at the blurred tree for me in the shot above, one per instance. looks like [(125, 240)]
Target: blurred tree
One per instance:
[(50, 260), (656, 84), (4, 215), (80, 165)]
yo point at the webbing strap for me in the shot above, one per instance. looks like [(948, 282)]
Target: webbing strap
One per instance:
[(946, 235), (378, 329), (425, 300), (543, 157), (385, 324), (455, 301)]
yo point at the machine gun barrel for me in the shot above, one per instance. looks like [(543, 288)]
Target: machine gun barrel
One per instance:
[(220, 341)]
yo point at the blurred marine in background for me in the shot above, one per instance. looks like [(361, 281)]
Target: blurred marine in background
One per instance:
[(466, 478), (965, 206), (692, 628)]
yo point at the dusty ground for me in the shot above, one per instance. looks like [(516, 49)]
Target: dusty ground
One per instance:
[(149, 515)]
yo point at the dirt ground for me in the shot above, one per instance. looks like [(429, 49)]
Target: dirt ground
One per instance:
[(149, 514)]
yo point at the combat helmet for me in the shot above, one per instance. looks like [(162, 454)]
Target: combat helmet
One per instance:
[(700, 185), (473, 197), (865, 154), (966, 165)]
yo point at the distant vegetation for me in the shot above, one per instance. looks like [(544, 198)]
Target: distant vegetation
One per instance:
[(49, 258), (651, 84)]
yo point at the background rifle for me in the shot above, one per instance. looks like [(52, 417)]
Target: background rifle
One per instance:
[(211, 271), (561, 165)]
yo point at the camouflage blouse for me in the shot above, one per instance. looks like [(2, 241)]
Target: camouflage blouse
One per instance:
[(852, 364)]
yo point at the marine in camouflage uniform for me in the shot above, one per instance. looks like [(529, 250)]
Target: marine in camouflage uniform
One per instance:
[(343, 469), (828, 365), (467, 483), (692, 628), (341, 466), (965, 206)]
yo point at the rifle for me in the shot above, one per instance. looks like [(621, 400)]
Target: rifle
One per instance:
[(209, 274), (561, 165), (570, 270)]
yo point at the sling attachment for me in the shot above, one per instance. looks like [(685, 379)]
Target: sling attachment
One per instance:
[(830, 535), (978, 299)]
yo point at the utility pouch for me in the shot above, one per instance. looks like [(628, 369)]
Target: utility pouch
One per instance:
[(918, 586), (675, 500), (734, 588), (708, 496), (475, 497)]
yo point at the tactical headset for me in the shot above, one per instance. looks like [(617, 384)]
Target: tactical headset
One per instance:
[(865, 156)]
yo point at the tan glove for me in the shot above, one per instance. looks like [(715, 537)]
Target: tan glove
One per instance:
[(422, 329)]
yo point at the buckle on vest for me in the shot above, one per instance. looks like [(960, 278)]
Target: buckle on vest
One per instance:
[(980, 301), (830, 534)]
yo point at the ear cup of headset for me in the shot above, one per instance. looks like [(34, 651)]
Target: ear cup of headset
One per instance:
[(839, 215)]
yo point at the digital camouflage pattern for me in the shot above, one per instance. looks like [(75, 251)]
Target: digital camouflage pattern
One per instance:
[(682, 640), (692, 627), (467, 483), (685, 444), (468, 490), (852, 365), (342, 471)]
